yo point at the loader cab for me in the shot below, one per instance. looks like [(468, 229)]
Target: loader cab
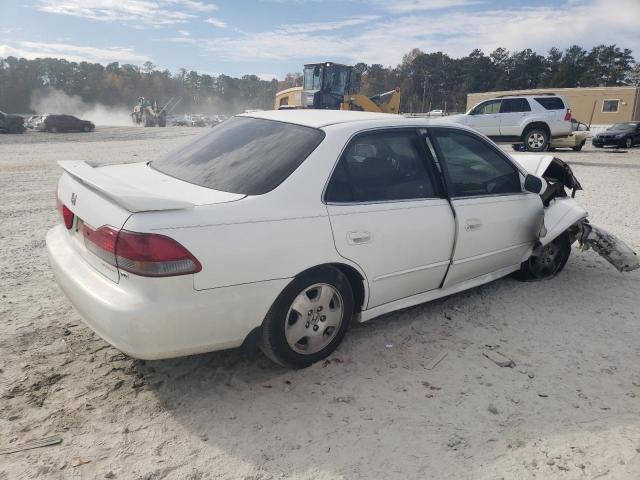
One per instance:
[(326, 84)]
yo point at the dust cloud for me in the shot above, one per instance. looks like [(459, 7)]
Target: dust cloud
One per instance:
[(56, 101)]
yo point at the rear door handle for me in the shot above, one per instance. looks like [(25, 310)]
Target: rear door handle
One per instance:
[(358, 237), (472, 224)]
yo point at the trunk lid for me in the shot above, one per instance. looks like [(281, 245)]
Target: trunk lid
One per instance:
[(109, 195)]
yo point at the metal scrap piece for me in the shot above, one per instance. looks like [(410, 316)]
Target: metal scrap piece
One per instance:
[(608, 246)]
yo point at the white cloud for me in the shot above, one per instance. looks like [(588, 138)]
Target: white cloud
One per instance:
[(136, 12), (266, 76), (184, 33), (74, 53), (454, 32), (326, 26), (407, 6), (215, 22), (193, 5)]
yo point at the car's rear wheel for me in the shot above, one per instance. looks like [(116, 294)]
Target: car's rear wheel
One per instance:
[(536, 140), (308, 319), (548, 262), (628, 143)]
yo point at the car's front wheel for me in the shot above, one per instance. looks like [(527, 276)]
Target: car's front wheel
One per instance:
[(628, 143), (309, 318), (546, 263), (536, 140)]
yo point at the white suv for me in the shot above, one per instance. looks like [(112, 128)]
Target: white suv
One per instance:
[(531, 119)]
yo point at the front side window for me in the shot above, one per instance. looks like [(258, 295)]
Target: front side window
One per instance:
[(382, 166), (610, 106), (474, 167), (312, 78), (514, 105), (245, 155), (486, 108)]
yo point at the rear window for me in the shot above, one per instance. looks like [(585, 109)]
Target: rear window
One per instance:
[(551, 103), (250, 156)]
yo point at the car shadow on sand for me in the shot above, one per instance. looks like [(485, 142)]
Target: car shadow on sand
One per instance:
[(381, 389)]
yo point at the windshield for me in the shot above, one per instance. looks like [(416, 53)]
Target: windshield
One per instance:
[(624, 127), (244, 155), (312, 78)]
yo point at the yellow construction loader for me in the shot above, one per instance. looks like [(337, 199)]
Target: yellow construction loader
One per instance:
[(333, 86)]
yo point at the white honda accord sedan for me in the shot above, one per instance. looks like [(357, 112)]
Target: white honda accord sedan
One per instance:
[(283, 227)]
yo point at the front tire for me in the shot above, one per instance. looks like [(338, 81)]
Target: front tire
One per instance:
[(536, 140), (628, 143), (309, 318), (548, 263), (577, 148)]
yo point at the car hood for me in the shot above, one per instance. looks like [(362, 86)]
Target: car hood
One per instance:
[(614, 132)]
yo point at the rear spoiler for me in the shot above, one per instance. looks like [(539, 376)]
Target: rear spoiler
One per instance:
[(130, 197)]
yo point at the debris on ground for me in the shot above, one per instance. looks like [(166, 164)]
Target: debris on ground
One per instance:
[(43, 442), (499, 359)]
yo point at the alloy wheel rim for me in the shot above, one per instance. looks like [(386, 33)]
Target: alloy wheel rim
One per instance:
[(548, 261), (535, 140), (314, 318), (629, 143)]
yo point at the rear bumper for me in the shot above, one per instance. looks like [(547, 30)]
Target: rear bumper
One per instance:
[(154, 318)]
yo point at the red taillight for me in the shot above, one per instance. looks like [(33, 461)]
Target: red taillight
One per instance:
[(567, 116), (67, 215), (146, 254)]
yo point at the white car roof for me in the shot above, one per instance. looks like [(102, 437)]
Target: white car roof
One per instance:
[(322, 118)]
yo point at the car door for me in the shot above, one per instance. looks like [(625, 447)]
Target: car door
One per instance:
[(497, 222), (485, 117), (389, 215), (512, 113)]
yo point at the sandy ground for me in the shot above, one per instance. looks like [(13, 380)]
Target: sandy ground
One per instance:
[(569, 409)]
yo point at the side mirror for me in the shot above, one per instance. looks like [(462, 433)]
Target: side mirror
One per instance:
[(534, 184)]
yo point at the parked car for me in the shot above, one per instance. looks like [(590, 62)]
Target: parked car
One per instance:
[(65, 123), (575, 141), (10, 123), (283, 227), (530, 119), (625, 135)]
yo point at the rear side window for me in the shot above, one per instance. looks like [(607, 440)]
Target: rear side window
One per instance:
[(512, 105), (475, 168), (551, 103), (382, 166), (250, 156)]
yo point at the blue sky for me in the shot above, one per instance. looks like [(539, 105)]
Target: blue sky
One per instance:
[(273, 37)]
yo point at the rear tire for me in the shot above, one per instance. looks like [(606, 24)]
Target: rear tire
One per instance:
[(536, 140), (548, 264), (309, 318)]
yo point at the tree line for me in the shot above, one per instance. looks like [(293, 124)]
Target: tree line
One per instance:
[(427, 80)]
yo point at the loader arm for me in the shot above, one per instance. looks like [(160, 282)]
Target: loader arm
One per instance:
[(388, 102)]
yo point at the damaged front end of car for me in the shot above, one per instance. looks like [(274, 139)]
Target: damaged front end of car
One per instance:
[(562, 213)]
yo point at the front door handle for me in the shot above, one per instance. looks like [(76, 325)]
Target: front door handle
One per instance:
[(472, 224), (358, 237)]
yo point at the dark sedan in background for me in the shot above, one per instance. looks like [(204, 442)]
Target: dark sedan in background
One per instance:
[(65, 123), (624, 135)]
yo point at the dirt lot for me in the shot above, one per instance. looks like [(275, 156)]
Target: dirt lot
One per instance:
[(569, 409)]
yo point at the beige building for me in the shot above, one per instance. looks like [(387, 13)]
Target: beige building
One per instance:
[(594, 105)]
